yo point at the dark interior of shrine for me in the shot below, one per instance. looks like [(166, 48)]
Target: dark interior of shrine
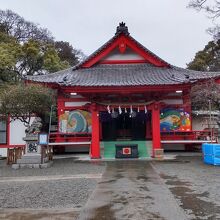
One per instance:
[(124, 126)]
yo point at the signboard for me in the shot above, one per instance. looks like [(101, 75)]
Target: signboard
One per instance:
[(43, 139)]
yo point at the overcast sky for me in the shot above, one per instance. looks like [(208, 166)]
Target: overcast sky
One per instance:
[(167, 28)]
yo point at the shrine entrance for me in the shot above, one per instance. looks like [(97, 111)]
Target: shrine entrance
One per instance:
[(124, 126)]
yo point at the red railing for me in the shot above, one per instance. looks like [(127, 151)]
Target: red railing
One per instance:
[(205, 135), (190, 135), (59, 137)]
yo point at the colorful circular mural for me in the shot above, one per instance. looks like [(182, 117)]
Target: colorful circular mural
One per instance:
[(75, 121), (174, 120)]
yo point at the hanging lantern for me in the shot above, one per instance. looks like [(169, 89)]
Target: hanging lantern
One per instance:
[(114, 114), (133, 114)]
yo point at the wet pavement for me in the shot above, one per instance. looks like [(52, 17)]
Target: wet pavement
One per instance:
[(174, 189), (131, 189), (194, 185)]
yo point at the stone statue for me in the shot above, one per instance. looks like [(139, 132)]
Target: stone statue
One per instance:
[(35, 127)]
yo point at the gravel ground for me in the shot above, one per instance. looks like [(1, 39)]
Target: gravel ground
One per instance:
[(64, 166), (194, 184), (69, 192), (46, 194)]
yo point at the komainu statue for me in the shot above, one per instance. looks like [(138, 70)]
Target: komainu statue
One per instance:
[(35, 127)]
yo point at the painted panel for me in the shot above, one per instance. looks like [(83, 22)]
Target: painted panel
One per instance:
[(174, 120), (75, 121)]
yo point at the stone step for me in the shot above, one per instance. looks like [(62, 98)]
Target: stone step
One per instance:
[(36, 166), (27, 160), (31, 159)]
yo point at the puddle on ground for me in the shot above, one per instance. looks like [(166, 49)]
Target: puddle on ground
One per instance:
[(118, 176), (193, 203), (120, 200), (142, 177), (107, 181), (179, 161), (104, 213), (143, 188)]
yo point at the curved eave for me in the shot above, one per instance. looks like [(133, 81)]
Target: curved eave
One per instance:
[(125, 89), (106, 75)]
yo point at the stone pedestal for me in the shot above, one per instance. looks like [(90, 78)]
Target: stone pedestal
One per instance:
[(33, 155), (158, 153)]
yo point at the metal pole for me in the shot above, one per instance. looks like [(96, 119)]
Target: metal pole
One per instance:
[(210, 118), (51, 109)]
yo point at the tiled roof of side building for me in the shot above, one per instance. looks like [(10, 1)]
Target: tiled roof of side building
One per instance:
[(123, 75)]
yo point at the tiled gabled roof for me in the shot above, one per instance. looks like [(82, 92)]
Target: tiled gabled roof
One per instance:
[(124, 75)]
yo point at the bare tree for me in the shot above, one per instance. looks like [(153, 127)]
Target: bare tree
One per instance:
[(204, 92), (211, 7), (16, 26)]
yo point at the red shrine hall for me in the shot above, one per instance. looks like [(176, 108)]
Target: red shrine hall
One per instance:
[(124, 101)]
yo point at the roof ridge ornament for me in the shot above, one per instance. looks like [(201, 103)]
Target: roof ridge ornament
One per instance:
[(122, 28)]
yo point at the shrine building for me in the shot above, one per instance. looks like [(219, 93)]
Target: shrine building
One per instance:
[(124, 95)]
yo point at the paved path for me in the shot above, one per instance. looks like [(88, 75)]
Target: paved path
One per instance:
[(131, 190)]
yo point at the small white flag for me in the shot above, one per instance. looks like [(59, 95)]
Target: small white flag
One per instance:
[(131, 110), (119, 109), (108, 109), (145, 109)]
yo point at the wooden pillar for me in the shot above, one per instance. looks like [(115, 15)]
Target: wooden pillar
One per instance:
[(95, 142), (156, 127)]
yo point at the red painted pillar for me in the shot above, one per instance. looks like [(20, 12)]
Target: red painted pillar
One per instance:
[(95, 143), (156, 127)]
